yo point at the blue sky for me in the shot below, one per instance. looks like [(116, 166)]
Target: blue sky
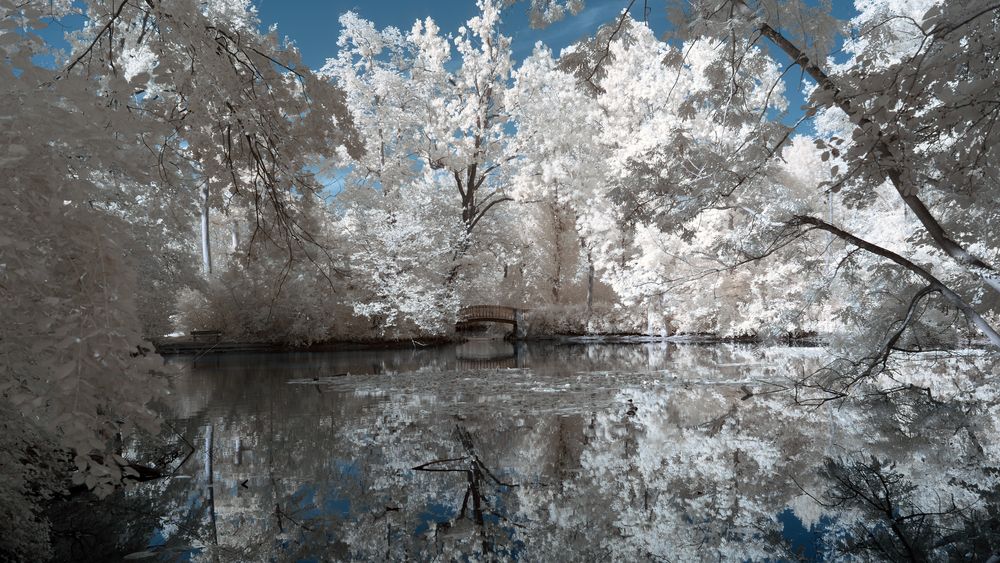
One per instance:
[(312, 24)]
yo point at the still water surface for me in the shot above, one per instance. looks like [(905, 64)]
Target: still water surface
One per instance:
[(548, 452)]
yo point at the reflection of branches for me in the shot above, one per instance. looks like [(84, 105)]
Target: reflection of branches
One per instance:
[(466, 439), (476, 473), (191, 448), (903, 530), (893, 525), (428, 466), (281, 514)]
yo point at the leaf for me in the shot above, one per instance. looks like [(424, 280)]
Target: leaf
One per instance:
[(139, 555)]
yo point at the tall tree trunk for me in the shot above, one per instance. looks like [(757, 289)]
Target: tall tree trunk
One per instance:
[(590, 279), (206, 245), (236, 235), (210, 478), (590, 287), (558, 250)]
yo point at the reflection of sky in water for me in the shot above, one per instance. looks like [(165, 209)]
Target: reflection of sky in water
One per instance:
[(805, 542), (614, 452)]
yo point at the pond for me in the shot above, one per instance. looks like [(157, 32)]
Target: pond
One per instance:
[(550, 451)]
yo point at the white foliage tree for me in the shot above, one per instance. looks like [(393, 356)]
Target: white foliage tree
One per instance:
[(435, 154), (170, 96)]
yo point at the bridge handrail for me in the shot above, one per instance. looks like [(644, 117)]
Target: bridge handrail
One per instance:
[(487, 312)]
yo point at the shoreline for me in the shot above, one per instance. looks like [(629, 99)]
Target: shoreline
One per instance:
[(171, 346), (185, 345), (682, 339)]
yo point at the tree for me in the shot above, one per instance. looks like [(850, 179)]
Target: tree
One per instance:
[(914, 90), (706, 152), (169, 96), (642, 134), (558, 168), (428, 131)]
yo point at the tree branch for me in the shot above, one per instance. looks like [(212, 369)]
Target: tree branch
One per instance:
[(934, 284), (607, 49), (114, 17), (483, 211), (884, 156)]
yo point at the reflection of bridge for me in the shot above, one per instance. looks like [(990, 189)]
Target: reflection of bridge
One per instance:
[(489, 353), (468, 316), (494, 363)]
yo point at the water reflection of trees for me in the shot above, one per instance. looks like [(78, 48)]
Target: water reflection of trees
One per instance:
[(620, 452), (896, 524)]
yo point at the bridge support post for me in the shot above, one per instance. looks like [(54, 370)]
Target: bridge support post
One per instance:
[(520, 328)]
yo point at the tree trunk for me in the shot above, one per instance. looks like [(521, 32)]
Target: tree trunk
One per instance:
[(590, 287), (206, 246), (236, 235), (558, 251), (210, 478)]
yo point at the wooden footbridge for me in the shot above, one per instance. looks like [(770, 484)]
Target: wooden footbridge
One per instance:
[(468, 316)]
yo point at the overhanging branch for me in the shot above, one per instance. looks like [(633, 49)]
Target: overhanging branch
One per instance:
[(884, 156), (934, 284)]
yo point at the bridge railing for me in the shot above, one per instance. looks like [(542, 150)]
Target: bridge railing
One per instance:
[(487, 313)]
